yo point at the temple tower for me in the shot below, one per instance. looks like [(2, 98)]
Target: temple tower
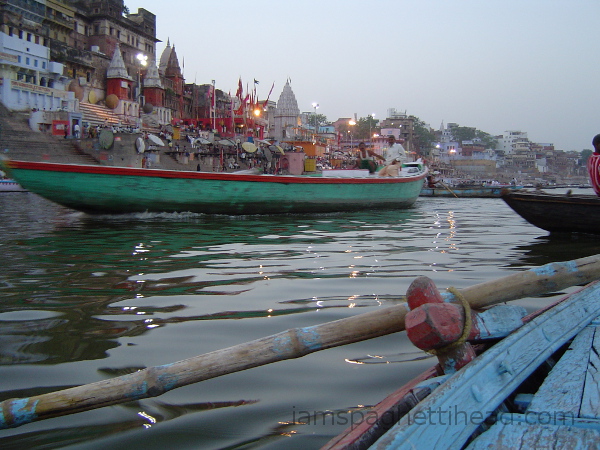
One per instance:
[(287, 114)]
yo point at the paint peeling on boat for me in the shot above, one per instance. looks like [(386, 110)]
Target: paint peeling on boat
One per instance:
[(138, 391), (543, 271), (20, 412), (554, 268), (167, 381), (310, 338), (307, 339)]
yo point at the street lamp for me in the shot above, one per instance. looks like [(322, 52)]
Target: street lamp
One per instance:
[(351, 123), (142, 62), (212, 108), (316, 106), (370, 136)]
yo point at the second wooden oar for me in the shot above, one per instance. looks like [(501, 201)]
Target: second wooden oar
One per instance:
[(449, 190), (289, 344)]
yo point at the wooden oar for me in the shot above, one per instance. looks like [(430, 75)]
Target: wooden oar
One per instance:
[(289, 344), (449, 190)]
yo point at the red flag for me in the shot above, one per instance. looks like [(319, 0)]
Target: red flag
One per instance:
[(267, 100), (240, 89)]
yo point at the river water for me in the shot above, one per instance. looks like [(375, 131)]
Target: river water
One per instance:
[(84, 299)]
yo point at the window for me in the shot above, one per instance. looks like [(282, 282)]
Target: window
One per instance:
[(27, 61), (35, 63), (28, 37)]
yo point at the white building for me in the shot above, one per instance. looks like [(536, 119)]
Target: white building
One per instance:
[(512, 141), (28, 80)]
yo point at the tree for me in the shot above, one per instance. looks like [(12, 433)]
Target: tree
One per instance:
[(365, 127), (321, 119), (423, 136), (487, 139), (460, 134), (585, 154)]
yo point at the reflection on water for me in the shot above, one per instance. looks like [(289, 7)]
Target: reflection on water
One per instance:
[(89, 298)]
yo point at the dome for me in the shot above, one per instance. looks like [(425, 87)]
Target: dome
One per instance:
[(112, 101)]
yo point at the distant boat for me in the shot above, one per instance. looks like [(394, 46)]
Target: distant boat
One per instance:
[(474, 191), (8, 185), (558, 213), (114, 190)]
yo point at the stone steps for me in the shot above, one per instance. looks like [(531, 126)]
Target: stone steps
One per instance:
[(97, 115), (18, 141)]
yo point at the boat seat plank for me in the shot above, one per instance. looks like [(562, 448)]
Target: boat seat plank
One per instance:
[(590, 405), (519, 435), (562, 390)]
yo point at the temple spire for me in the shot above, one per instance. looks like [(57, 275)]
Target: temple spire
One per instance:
[(116, 68)]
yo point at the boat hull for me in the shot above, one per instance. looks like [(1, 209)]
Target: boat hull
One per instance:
[(110, 190), (11, 186), (466, 192), (557, 213)]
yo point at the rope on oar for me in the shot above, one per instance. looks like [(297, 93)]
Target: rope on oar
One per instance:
[(289, 344)]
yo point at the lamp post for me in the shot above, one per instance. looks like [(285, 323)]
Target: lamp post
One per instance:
[(142, 62), (351, 123), (212, 107), (371, 120), (315, 106)]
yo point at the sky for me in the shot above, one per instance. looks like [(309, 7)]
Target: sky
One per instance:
[(496, 65)]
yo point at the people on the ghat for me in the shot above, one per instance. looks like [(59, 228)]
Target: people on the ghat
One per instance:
[(593, 165), (366, 158), (395, 151)]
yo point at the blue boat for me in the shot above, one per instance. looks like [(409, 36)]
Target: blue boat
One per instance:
[(477, 191), (538, 387)]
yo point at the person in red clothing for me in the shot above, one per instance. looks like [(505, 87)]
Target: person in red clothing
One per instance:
[(593, 165)]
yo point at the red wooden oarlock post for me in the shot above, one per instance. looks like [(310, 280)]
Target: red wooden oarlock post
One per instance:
[(439, 327)]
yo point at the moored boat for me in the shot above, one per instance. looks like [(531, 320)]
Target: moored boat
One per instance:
[(557, 213), (114, 190), (7, 185), (478, 191)]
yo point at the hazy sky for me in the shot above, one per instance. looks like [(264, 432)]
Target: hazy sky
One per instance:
[(497, 65)]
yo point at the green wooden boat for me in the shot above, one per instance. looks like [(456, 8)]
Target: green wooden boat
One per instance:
[(117, 190)]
